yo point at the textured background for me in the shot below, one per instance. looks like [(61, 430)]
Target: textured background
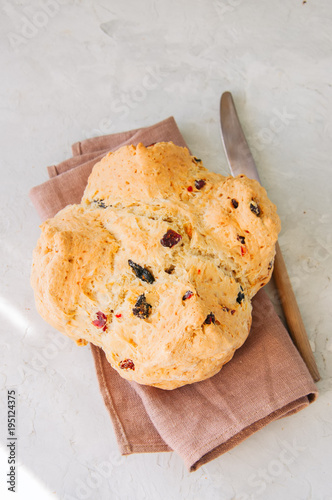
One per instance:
[(73, 69)]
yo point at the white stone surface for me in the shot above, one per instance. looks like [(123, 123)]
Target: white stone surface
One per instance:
[(73, 69)]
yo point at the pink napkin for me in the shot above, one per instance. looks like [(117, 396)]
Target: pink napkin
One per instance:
[(266, 380)]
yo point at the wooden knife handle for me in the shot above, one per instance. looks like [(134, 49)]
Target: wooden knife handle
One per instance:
[(292, 314)]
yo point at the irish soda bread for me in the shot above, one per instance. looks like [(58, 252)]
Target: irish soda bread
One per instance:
[(158, 264)]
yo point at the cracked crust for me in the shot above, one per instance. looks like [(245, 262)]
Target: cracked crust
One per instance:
[(92, 258)]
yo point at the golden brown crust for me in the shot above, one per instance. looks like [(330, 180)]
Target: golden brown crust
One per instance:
[(106, 272)]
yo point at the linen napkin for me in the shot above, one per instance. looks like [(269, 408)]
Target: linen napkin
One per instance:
[(266, 380)]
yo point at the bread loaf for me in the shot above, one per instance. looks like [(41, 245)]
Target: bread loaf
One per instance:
[(158, 264)]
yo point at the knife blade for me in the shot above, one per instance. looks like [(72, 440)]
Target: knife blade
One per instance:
[(241, 161), (237, 151)]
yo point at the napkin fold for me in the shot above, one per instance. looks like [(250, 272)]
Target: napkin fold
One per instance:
[(266, 379)]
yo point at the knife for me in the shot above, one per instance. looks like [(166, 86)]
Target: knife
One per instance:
[(241, 161)]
